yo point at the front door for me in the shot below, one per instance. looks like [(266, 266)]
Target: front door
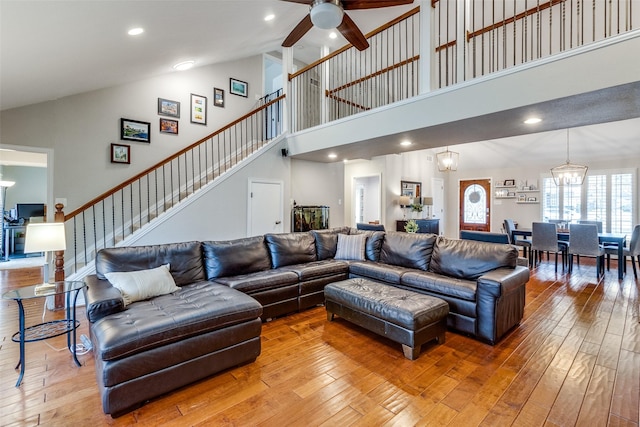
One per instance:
[(475, 199)]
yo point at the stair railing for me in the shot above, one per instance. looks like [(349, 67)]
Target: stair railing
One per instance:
[(116, 214)]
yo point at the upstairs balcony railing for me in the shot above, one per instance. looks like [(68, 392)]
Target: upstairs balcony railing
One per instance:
[(113, 216), (467, 40)]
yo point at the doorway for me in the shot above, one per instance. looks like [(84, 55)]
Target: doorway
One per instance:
[(367, 199), (265, 207), (475, 200)]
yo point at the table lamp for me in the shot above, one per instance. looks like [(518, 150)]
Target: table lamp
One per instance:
[(404, 202), (45, 237)]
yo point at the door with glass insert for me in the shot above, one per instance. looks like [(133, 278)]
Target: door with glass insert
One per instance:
[(475, 199)]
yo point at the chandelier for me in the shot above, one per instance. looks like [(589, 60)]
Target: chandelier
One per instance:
[(569, 173), (447, 160)]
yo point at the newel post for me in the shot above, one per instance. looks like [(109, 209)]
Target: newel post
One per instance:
[(58, 302)]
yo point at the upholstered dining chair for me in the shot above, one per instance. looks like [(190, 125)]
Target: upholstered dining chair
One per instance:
[(583, 240), (596, 223), (544, 238), (509, 227), (632, 251)]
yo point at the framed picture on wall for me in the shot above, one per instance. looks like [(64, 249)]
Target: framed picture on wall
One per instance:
[(134, 130), (169, 108), (198, 109), (218, 97), (169, 126), (120, 153), (238, 87)]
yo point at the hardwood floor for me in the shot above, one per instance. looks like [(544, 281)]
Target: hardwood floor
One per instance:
[(574, 360)]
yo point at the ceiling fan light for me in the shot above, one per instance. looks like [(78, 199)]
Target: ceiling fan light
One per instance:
[(326, 15)]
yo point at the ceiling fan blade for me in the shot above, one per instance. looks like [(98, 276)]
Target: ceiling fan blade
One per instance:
[(299, 31), (307, 2), (352, 33), (372, 4)]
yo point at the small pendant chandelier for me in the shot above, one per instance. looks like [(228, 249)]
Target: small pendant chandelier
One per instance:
[(447, 161), (569, 173)]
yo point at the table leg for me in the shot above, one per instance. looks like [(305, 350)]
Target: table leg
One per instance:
[(71, 314), (21, 363), (621, 260)]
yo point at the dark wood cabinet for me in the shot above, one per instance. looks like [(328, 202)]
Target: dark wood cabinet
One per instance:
[(424, 225)]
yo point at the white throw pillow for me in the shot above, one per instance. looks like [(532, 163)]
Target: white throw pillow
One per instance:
[(143, 284), (351, 247)]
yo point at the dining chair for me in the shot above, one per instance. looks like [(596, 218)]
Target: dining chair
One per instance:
[(632, 251), (509, 227), (583, 240), (596, 223), (544, 238)]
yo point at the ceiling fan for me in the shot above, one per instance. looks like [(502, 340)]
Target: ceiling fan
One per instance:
[(327, 14)]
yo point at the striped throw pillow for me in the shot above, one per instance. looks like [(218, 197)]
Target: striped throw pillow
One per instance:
[(351, 247)]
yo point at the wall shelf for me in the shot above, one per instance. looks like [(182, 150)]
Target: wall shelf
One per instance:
[(527, 202)]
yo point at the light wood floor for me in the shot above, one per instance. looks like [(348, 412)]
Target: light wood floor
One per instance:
[(574, 360)]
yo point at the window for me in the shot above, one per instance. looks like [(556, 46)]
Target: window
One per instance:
[(475, 202), (604, 196)]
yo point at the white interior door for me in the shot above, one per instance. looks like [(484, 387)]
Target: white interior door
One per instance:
[(265, 207), (366, 205), (437, 210)]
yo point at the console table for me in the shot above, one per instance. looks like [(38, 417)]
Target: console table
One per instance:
[(50, 329), (425, 225)]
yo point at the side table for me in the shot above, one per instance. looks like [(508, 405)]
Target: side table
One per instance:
[(50, 329)]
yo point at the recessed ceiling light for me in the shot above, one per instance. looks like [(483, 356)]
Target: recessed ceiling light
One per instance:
[(406, 143), (332, 155), (533, 120), (184, 65), (135, 31), (333, 35), (269, 17)]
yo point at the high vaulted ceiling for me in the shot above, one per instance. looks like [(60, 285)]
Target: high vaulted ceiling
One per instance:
[(54, 48)]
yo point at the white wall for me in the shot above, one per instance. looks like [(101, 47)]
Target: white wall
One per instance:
[(80, 128), (221, 212), (319, 184)]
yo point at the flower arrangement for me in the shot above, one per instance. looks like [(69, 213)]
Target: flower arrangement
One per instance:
[(416, 207), (411, 226)]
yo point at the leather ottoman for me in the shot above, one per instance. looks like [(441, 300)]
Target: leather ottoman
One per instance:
[(406, 317)]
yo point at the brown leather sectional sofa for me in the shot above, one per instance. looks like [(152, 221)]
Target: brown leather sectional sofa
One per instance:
[(227, 287)]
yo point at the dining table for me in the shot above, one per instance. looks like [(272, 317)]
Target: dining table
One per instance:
[(618, 238)]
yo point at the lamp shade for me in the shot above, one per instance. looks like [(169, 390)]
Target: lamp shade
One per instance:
[(404, 201), (6, 184), (326, 15), (45, 237), (427, 201)]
